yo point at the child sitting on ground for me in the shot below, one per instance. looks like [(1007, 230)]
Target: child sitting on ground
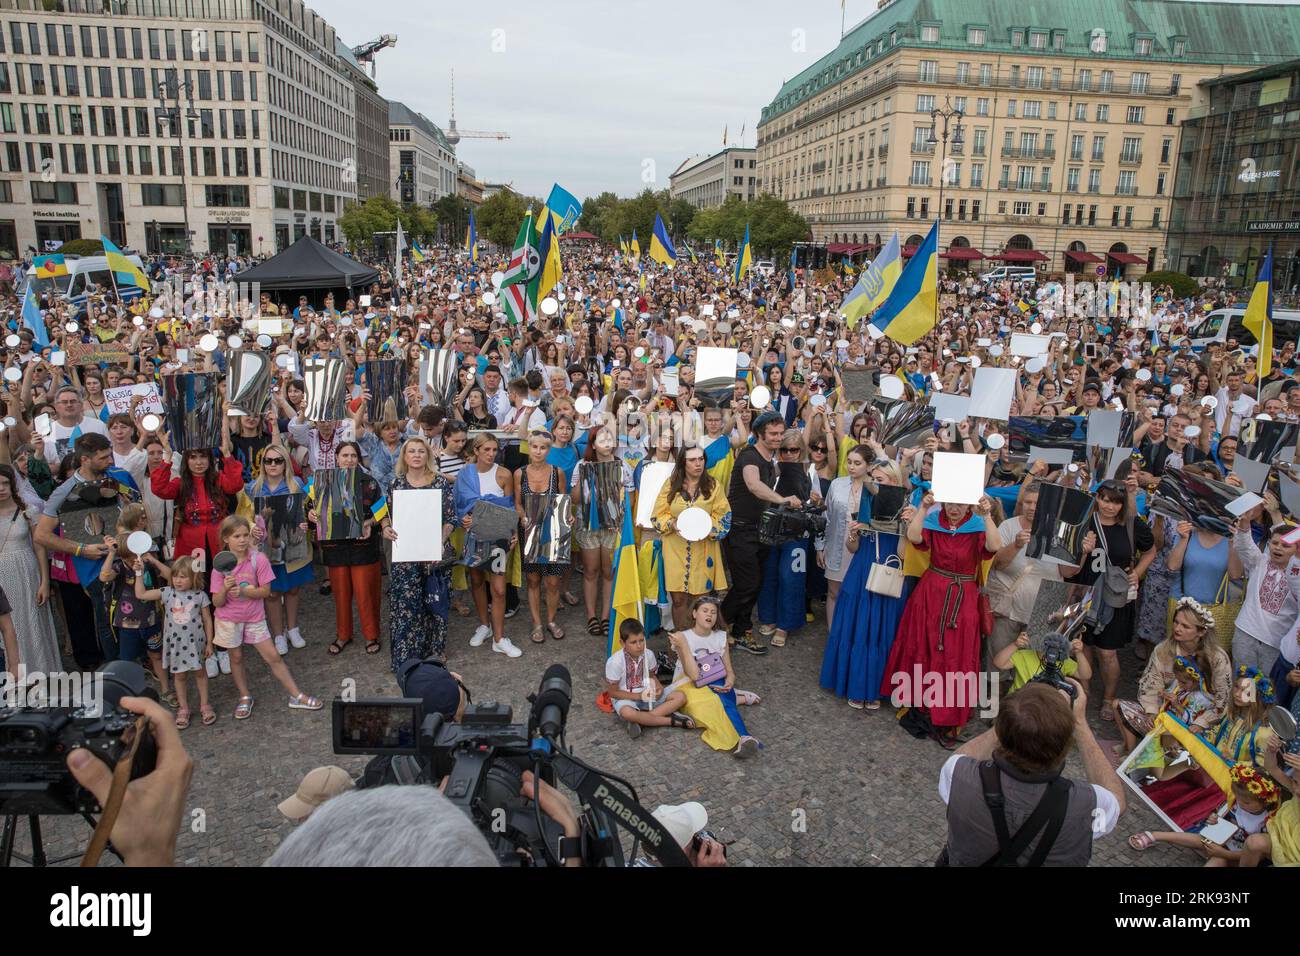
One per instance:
[(638, 696)]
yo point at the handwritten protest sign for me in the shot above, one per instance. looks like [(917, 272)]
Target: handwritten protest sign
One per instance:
[(119, 399), (92, 353)]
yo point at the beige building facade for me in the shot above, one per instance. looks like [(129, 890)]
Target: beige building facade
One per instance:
[(707, 181), (1069, 127)]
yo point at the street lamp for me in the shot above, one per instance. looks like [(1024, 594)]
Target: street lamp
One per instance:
[(169, 111), (958, 139)]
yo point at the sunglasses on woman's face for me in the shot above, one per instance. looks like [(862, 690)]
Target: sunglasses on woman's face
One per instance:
[(820, 449), (273, 461)]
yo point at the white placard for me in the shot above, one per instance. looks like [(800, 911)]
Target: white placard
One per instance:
[(1253, 474), (949, 408), (653, 478), (712, 364), (1027, 346), (694, 524), (991, 395), (958, 479), (119, 399), (271, 327), (1050, 456), (670, 377), (706, 308), (1239, 506), (417, 519), (364, 301)]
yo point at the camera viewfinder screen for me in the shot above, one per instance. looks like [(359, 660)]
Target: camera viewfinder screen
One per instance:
[(374, 727)]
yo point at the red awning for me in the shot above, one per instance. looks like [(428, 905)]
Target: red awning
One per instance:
[(1082, 256), (1127, 258), (1020, 255), (845, 248), (962, 252), (580, 235)]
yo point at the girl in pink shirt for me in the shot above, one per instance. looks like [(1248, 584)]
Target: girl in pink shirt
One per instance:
[(238, 597)]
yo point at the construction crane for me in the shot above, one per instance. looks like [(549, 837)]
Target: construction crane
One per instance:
[(455, 135), (366, 52)]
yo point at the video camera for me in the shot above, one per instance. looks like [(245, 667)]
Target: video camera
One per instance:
[(781, 523), (1054, 653), (35, 743), (483, 758)]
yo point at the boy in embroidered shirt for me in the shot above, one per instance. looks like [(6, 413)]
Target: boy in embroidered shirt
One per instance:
[(638, 696)]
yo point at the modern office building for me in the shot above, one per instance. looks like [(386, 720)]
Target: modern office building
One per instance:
[(421, 163), (1237, 188), (167, 124), (370, 125), (706, 181), (468, 186), (1069, 127)]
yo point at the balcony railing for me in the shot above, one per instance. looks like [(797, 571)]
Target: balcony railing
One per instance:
[(1017, 152), (919, 181), (884, 152), (1019, 187), (923, 149), (1126, 190), (880, 183)]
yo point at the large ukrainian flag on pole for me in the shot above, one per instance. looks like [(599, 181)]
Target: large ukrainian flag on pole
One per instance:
[(661, 247), (877, 281), (743, 258), (124, 270), (625, 600), (1259, 316), (471, 238), (909, 312)]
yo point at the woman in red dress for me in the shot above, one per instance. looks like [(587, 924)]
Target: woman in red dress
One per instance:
[(204, 497), (935, 661)]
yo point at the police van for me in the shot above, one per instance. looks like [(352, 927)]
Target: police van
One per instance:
[(1230, 323), (85, 273)]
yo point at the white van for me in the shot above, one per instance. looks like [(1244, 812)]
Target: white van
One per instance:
[(84, 274), (1229, 323), (1014, 273)]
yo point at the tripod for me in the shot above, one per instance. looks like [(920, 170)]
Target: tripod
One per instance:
[(38, 858)]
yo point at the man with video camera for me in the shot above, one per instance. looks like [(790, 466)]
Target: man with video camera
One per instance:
[(1008, 801)]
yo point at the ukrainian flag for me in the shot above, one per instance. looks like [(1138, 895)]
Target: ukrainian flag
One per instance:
[(471, 239), (417, 254), (380, 509), (743, 258), (909, 312), (50, 267), (32, 319), (719, 257), (1259, 316), (548, 253), (636, 246), (849, 267), (124, 270), (691, 252), (564, 208), (661, 247), (625, 599), (877, 281)]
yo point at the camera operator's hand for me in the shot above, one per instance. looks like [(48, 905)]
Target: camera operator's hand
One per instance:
[(1080, 705), (794, 501), (149, 820), (709, 853), (553, 805)]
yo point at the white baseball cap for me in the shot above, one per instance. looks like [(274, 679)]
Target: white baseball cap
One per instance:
[(682, 820)]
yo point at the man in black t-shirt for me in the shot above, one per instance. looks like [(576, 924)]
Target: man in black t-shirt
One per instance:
[(753, 488)]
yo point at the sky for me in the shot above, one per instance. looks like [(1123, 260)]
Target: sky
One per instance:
[(595, 94)]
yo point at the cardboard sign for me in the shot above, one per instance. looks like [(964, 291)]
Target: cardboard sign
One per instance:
[(119, 399), (92, 353)]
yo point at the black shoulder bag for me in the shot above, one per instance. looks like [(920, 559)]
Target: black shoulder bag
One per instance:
[(1048, 817)]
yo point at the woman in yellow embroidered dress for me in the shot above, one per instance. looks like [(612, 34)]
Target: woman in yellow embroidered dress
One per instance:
[(691, 568)]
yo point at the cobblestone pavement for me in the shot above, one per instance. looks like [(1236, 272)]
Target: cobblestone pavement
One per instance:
[(865, 789)]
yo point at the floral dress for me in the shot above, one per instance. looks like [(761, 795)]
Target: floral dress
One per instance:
[(419, 630), (1153, 606)]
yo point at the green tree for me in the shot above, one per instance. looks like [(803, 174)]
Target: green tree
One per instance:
[(774, 227), (680, 214), (499, 217), (420, 223), (600, 216), (453, 214), (361, 221)]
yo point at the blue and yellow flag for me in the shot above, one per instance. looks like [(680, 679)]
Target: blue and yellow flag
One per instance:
[(719, 257), (32, 319), (125, 272), (50, 267), (471, 238), (661, 247), (625, 599), (743, 258), (848, 266), (691, 252), (417, 254), (548, 253), (380, 509), (564, 208), (1259, 316), (636, 246), (909, 312), (877, 281)]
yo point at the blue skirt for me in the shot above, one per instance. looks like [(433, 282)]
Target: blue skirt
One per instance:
[(863, 630), (286, 581), (781, 597)]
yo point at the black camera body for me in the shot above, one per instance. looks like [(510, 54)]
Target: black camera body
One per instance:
[(35, 743), (1055, 652), (781, 523)]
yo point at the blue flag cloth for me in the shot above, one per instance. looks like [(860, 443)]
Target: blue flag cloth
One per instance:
[(32, 318), (973, 524)]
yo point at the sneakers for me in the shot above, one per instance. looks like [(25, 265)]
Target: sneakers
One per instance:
[(281, 645), (633, 730), (480, 635), (511, 612), (750, 643), (747, 747), (504, 646), (210, 665), (223, 661), (296, 638)]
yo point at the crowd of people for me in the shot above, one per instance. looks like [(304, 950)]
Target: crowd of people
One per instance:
[(600, 420)]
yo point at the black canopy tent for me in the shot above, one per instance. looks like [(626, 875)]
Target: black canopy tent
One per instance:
[(308, 266)]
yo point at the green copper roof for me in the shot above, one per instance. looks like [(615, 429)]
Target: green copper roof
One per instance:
[(1237, 34)]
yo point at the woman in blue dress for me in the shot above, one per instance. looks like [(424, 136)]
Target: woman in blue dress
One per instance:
[(863, 628)]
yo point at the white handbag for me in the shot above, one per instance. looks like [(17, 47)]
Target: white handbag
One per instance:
[(884, 578)]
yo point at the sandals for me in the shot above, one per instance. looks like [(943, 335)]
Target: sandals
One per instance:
[(557, 632), (336, 648), (537, 635), (778, 638), (182, 718), (873, 705), (569, 598), (209, 715), (748, 697), (1142, 841), (169, 699), (372, 647), (855, 704), (305, 702), (682, 720), (464, 610), (244, 709), (1108, 711), (593, 627)]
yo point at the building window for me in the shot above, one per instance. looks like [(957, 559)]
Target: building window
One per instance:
[(1103, 113), (1155, 219), (1128, 216), (1160, 184), (1098, 149), (925, 208), (976, 175), (1002, 207), (1020, 208), (924, 103), (1092, 215), (1131, 150), (1169, 117), (1127, 183), (1065, 214), (975, 210), (1085, 80), (1138, 82), (1033, 109), (1080, 112), (1097, 41), (1037, 40), (1178, 48), (226, 196), (911, 207), (963, 72), (159, 194), (929, 71), (1034, 77), (1072, 179), (982, 106), (929, 34), (1094, 180), (1107, 81), (1114, 216), (1011, 107), (975, 36), (1142, 46), (1135, 114), (947, 209), (1017, 38), (920, 173), (55, 193), (986, 74), (1051, 109)]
